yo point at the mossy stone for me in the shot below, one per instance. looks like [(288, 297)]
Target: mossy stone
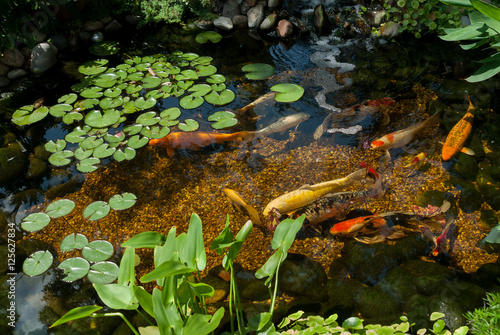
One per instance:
[(343, 292), (470, 199), (466, 166), (488, 218), (489, 188), (300, 275), (36, 168), (436, 198), (13, 162), (429, 285), (451, 309), (374, 303)]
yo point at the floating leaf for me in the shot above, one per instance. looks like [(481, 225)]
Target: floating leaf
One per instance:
[(60, 208), (35, 221), (81, 153), (206, 36), (218, 87), (96, 119), (205, 70), (37, 263), (110, 102), (60, 110), (118, 137), (74, 268), (97, 251), (151, 82), (187, 75), (70, 117), (127, 153), (191, 101), (223, 98), (113, 92), (103, 151), (73, 241), (148, 119), (106, 80), (143, 66), (288, 92), (216, 79), (135, 76), (92, 92), (145, 104), (184, 85), (129, 108), (122, 201), (155, 132), (104, 48), (26, 115), (87, 165), (188, 125), (258, 71), (56, 146), (131, 89), (61, 158), (223, 119), (103, 272), (89, 103), (93, 67), (137, 141), (96, 210), (200, 90), (67, 98), (157, 94), (133, 129), (91, 142)]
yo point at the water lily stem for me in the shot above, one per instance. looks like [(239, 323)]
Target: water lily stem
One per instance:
[(100, 315)]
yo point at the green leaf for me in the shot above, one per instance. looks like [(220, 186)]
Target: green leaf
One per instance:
[(167, 269), (117, 296), (26, 115), (96, 210), (235, 247), (285, 233), (81, 153), (166, 314), (115, 138), (436, 315), (106, 80), (133, 129), (122, 201), (73, 241), (458, 3), (193, 252), (97, 251), (258, 321), (151, 82), (487, 9), (92, 92), (126, 273), (132, 88), (137, 141), (145, 299), (224, 238), (201, 289), (57, 146), (288, 92), (61, 158), (171, 113), (474, 31), (91, 142), (103, 272), (191, 102), (107, 103), (60, 110), (37, 263), (438, 326), (71, 117), (88, 165), (60, 208), (353, 323), (104, 48), (89, 103), (269, 268), (127, 153), (77, 313), (74, 268), (189, 125), (461, 331), (223, 119), (67, 98), (202, 60), (494, 235), (98, 120), (93, 67), (184, 85), (113, 92), (216, 79), (103, 151), (142, 104), (76, 136), (486, 71), (148, 119), (148, 239), (203, 324), (258, 71), (205, 70), (199, 90), (206, 36)]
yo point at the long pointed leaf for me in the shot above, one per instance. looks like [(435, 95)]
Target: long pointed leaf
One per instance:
[(160, 313), (486, 71), (126, 273), (117, 296), (203, 324), (77, 313), (236, 246), (145, 299), (167, 269), (193, 252), (487, 9), (285, 233), (147, 239)]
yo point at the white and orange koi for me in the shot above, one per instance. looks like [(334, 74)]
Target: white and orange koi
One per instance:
[(458, 135), (238, 201), (402, 137)]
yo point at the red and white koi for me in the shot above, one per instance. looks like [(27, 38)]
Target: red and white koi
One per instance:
[(439, 241)]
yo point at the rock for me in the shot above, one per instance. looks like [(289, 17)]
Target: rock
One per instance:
[(488, 186), (220, 286), (373, 303), (113, 26), (255, 17), (428, 285), (390, 29), (84, 35), (453, 313), (487, 275), (37, 168), (16, 73), (244, 8), (285, 28), (93, 25), (240, 22), (488, 218), (132, 19), (4, 69), (466, 166), (251, 3), (470, 199), (255, 291), (342, 292), (273, 3), (269, 22), (4, 81), (97, 37), (231, 8), (59, 41), (106, 20), (204, 24), (15, 162), (223, 23), (436, 198), (303, 276), (321, 23), (360, 26), (375, 17), (43, 57), (12, 58)]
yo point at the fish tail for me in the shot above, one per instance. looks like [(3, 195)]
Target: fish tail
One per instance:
[(245, 136)]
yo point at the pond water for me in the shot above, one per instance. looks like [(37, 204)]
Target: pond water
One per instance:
[(421, 76)]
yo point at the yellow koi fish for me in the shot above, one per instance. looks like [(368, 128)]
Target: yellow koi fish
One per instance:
[(458, 135), (266, 98), (238, 200), (402, 137)]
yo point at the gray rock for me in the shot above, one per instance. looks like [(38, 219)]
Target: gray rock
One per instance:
[(321, 22), (4, 81), (12, 58), (240, 22), (224, 23), (4, 69), (302, 276), (113, 26), (255, 16), (93, 25), (84, 35), (269, 22), (97, 37), (15, 160), (244, 8), (273, 3), (59, 41), (285, 28), (231, 8), (43, 57), (16, 73), (374, 17), (106, 20), (132, 19), (37, 168)]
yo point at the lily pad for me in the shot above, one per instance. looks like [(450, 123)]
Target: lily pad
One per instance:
[(71, 117), (91, 142), (92, 92), (103, 151), (184, 85), (137, 142), (206, 36), (93, 67), (288, 92), (157, 94), (67, 98), (60, 110), (98, 120), (103, 273), (188, 125), (223, 119), (107, 103), (155, 132), (74, 268), (56, 146), (73, 241), (129, 108), (122, 201), (132, 88), (127, 153), (258, 71), (96, 210), (171, 113), (61, 158), (76, 136), (26, 115), (87, 165), (89, 103), (142, 103), (115, 138), (200, 90), (191, 101), (133, 129), (104, 48), (151, 82), (143, 66), (205, 70), (187, 75), (35, 221), (223, 98), (81, 153), (136, 76), (97, 251), (216, 79), (218, 87), (106, 80), (148, 119), (60, 208), (112, 92), (37, 263)]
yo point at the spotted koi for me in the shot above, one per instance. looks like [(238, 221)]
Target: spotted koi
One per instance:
[(458, 134)]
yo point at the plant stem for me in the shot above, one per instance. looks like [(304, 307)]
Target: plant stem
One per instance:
[(100, 315), (231, 297), (145, 317), (273, 299)]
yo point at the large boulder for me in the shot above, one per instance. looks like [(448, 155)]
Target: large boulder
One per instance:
[(43, 57)]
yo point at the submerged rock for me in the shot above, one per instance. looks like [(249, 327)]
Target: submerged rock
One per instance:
[(322, 25), (15, 162), (43, 57), (12, 57)]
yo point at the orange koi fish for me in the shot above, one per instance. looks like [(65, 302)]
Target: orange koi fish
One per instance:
[(458, 134), (238, 201), (402, 137)]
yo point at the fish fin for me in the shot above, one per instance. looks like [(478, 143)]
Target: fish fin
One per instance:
[(322, 128), (467, 151), (170, 152), (357, 226), (445, 206), (395, 235), (370, 240), (387, 157), (306, 187)]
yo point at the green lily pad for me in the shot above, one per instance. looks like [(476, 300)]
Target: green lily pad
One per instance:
[(187, 75), (76, 136), (98, 120), (136, 76), (206, 36), (122, 201), (96, 210), (89, 103), (155, 132), (202, 60), (191, 101), (216, 79), (157, 94), (142, 103), (26, 115), (91, 142), (133, 129), (148, 119), (288, 92), (218, 87), (60, 208), (92, 92), (106, 80), (61, 158), (200, 90), (127, 153), (103, 273), (223, 98), (37, 263), (97, 251), (103, 151), (107, 102), (123, 66), (184, 85), (223, 119), (205, 70), (56, 146), (104, 48), (143, 66), (129, 108), (60, 110), (81, 153), (67, 98), (73, 241), (188, 125), (87, 165), (74, 268), (151, 82), (71, 117), (118, 137), (122, 74), (35, 221), (132, 88), (137, 141), (258, 71), (171, 113), (93, 67), (113, 92), (190, 56)]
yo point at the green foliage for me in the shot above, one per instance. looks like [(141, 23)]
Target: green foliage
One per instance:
[(486, 320), (172, 11)]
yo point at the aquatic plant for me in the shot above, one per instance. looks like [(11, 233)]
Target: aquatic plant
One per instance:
[(173, 11), (486, 320), (483, 30)]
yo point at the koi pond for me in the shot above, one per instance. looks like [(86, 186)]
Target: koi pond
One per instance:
[(417, 249)]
